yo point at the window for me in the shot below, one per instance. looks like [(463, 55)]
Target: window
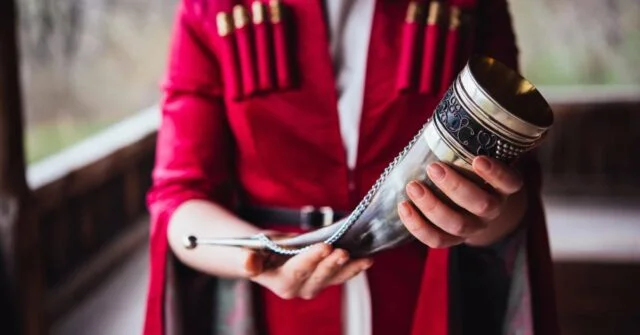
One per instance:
[(87, 64)]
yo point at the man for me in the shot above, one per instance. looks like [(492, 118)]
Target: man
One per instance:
[(341, 102)]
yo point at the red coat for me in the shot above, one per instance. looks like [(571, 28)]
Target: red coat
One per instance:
[(284, 148)]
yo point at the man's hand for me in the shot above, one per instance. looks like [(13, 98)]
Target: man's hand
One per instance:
[(490, 217), (306, 274)]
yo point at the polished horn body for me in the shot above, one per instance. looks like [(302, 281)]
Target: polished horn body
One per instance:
[(489, 110)]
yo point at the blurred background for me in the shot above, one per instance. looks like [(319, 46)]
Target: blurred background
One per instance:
[(90, 74)]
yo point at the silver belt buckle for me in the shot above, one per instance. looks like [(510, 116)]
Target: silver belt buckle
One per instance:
[(307, 214)]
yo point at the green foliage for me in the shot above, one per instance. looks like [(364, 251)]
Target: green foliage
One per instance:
[(579, 42), (44, 139), (86, 63)]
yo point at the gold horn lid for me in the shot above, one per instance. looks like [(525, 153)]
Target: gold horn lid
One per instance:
[(489, 110)]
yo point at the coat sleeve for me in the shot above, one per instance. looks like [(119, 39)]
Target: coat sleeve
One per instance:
[(194, 145)]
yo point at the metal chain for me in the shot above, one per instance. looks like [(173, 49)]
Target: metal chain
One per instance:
[(357, 212)]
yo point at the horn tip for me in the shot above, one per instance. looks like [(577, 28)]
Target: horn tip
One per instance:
[(190, 242)]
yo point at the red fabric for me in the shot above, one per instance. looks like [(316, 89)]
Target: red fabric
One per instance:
[(541, 274), (465, 4), (283, 317), (450, 60), (459, 43), (287, 317), (466, 49), (432, 312), (468, 38), (431, 59), (495, 37), (191, 108), (229, 55), (409, 53), (285, 149), (394, 281), (154, 323), (281, 47), (264, 53), (247, 55)]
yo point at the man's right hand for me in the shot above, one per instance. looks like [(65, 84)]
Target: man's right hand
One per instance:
[(307, 274)]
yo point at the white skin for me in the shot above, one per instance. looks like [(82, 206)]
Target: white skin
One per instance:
[(491, 216)]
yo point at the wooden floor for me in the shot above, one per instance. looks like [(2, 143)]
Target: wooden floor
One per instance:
[(116, 307), (597, 274)]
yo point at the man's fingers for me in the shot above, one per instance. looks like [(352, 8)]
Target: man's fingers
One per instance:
[(323, 273), (254, 264), (503, 178), (423, 230), (288, 279), (350, 270), (438, 213), (463, 192), (300, 267)]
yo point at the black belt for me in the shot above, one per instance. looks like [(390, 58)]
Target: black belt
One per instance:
[(307, 217)]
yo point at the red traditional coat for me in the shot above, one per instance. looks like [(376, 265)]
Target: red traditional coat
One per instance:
[(221, 140)]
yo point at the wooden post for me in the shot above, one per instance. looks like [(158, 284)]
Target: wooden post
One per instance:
[(23, 275)]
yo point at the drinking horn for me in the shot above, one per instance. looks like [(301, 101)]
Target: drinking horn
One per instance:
[(489, 110)]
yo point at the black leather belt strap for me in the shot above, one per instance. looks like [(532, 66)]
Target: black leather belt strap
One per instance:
[(308, 217)]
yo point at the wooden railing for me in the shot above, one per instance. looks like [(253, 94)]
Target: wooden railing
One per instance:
[(593, 152), (20, 267), (80, 213), (597, 298), (90, 209), (594, 147)]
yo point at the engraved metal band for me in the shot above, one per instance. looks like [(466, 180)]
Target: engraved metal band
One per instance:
[(468, 137), (491, 114)]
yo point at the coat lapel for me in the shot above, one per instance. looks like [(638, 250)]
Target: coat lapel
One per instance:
[(305, 114), (382, 58), (389, 118)]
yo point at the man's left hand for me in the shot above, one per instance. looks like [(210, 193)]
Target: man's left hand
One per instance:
[(489, 216)]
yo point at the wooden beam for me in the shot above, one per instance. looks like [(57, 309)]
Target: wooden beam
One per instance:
[(598, 298), (91, 274), (12, 164), (23, 273), (591, 150)]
